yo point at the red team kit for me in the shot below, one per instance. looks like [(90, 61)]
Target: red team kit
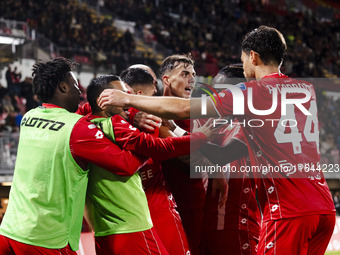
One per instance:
[(292, 191)]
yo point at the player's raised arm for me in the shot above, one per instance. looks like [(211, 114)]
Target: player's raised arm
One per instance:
[(165, 107)]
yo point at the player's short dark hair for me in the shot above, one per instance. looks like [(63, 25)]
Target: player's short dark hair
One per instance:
[(173, 61), (232, 71), (136, 76), (48, 75), (233, 74), (268, 42), (97, 86)]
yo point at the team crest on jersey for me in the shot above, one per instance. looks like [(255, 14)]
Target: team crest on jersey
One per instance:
[(241, 86)]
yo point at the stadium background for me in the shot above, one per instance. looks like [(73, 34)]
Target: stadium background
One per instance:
[(107, 36)]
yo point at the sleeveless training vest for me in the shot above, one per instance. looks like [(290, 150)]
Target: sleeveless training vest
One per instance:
[(47, 197), (115, 204)]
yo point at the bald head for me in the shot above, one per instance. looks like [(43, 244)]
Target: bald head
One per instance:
[(158, 86), (145, 67)]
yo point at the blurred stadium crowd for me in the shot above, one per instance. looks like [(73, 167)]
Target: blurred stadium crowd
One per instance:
[(210, 30)]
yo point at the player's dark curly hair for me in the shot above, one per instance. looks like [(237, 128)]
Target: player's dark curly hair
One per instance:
[(136, 76), (173, 61), (268, 42), (48, 75), (97, 86)]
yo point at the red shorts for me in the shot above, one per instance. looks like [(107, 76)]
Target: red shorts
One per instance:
[(143, 242), (168, 225), (11, 247), (297, 236), (235, 242)]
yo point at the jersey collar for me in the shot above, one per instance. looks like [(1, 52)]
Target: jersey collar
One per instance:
[(275, 75), (47, 105)]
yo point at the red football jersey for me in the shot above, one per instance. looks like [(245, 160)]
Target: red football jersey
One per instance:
[(188, 192), (130, 138), (158, 195), (240, 212), (84, 109), (161, 203), (283, 147), (154, 184)]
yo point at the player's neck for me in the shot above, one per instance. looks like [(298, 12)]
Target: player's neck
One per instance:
[(264, 70), (60, 103), (100, 113)]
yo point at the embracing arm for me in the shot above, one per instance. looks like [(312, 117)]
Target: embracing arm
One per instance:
[(144, 121), (165, 107), (89, 145), (130, 138), (232, 151)]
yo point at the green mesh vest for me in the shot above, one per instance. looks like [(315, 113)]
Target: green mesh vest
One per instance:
[(47, 197), (115, 204)]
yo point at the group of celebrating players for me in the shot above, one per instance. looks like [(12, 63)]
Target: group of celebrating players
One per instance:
[(123, 161)]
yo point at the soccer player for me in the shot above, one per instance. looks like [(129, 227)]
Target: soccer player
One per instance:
[(298, 211), (234, 226), (178, 76), (46, 204), (145, 121), (165, 217), (116, 205)]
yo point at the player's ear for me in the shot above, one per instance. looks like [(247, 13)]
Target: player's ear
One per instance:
[(63, 87), (166, 86), (166, 81), (254, 58), (139, 92)]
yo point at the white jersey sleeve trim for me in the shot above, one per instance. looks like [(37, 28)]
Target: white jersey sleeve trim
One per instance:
[(179, 131)]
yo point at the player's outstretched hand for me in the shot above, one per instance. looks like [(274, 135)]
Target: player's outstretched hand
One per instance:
[(208, 128), (112, 97), (143, 120)]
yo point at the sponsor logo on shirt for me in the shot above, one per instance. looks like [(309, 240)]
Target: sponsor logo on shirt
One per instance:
[(245, 246), (42, 123), (270, 245), (271, 190), (274, 208)]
